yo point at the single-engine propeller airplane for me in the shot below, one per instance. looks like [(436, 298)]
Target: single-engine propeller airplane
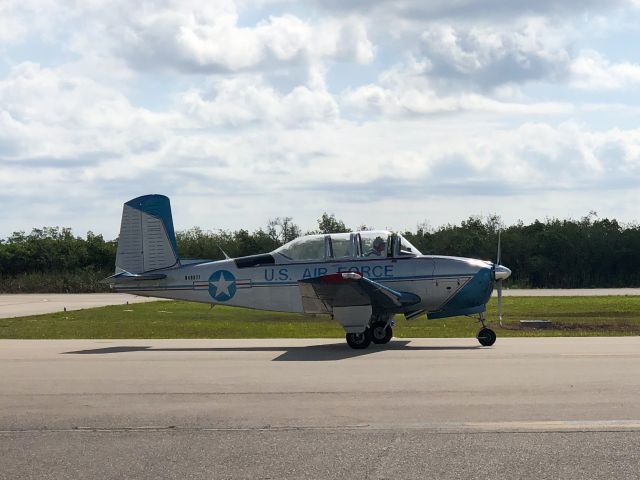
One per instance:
[(362, 279)]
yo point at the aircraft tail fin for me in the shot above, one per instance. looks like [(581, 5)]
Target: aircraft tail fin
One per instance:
[(147, 240)]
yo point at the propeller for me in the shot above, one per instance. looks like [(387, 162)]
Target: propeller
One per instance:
[(499, 283), (500, 272)]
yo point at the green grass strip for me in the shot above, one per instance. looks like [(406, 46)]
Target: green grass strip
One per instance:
[(571, 316)]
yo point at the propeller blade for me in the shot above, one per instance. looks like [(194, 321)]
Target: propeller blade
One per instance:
[(499, 285), (502, 272)]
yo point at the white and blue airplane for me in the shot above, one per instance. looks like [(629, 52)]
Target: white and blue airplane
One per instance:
[(362, 279)]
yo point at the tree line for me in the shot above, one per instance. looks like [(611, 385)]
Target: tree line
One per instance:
[(554, 253)]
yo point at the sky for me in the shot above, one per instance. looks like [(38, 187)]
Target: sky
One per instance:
[(385, 113)]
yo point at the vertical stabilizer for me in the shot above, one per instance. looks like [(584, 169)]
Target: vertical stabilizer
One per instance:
[(147, 240)]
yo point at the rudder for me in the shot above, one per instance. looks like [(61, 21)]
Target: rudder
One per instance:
[(147, 239)]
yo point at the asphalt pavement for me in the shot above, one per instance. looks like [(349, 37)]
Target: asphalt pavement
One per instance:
[(427, 408)]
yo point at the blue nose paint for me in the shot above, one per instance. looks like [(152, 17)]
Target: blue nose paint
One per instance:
[(472, 298)]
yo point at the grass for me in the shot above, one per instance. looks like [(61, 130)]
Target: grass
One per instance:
[(572, 316)]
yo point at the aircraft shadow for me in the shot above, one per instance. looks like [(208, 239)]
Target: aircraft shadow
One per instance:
[(312, 353)]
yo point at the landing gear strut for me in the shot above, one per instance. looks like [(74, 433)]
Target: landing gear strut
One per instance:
[(486, 336)]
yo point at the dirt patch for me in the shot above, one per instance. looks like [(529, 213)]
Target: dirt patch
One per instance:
[(590, 327)]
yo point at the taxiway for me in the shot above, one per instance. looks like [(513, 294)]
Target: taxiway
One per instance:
[(440, 408)]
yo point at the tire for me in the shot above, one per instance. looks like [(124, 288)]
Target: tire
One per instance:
[(359, 341), (381, 333), (486, 337)]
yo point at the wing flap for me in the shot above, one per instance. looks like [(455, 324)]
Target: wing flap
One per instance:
[(323, 294)]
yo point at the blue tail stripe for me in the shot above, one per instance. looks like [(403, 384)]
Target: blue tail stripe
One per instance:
[(158, 206)]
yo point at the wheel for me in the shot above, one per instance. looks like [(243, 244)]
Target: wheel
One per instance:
[(359, 340), (486, 337), (381, 332)]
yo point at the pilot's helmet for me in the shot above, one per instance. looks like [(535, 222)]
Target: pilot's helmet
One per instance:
[(379, 245)]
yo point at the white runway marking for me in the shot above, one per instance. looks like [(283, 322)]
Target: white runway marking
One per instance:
[(630, 355)]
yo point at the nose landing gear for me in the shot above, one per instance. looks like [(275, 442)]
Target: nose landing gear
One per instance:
[(486, 336)]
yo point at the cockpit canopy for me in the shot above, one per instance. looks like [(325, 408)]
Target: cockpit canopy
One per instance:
[(368, 244)]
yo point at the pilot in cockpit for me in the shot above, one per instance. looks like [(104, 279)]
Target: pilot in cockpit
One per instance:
[(378, 248)]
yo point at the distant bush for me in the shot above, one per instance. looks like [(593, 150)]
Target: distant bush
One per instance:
[(589, 252), (79, 281), (52, 260)]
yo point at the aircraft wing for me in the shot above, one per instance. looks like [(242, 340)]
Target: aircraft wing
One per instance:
[(350, 289)]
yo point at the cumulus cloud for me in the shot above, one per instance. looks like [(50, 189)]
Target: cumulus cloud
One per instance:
[(488, 56), (20, 18), (591, 71), (419, 10), (408, 89), (249, 100), (376, 99), (254, 111), (54, 119), (192, 36)]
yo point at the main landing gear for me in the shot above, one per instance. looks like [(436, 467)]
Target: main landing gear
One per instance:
[(359, 340), (486, 336), (380, 332)]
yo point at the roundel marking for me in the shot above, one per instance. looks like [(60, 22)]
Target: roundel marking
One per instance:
[(222, 285)]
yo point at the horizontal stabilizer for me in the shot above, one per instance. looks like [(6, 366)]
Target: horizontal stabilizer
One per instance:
[(123, 277)]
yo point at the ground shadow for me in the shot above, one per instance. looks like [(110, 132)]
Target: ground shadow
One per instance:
[(313, 353)]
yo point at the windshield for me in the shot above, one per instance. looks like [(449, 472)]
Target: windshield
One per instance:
[(406, 248), (310, 247)]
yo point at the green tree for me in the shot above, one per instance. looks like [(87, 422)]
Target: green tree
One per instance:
[(330, 224)]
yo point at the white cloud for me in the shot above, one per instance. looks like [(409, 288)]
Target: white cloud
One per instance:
[(591, 71), (207, 37), (60, 118), (407, 89), (12, 30), (477, 10), (375, 99), (20, 18), (293, 111), (490, 56), (249, 100)]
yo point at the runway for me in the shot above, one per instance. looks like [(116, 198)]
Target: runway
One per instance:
[(438, 408)]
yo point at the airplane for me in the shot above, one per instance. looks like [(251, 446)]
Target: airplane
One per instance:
[(362, 279)]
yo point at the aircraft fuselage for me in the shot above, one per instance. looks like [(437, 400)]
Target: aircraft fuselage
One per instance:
[(446, 285)]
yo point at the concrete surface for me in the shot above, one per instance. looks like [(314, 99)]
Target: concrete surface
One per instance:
[(427, 408), (23, 304)]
